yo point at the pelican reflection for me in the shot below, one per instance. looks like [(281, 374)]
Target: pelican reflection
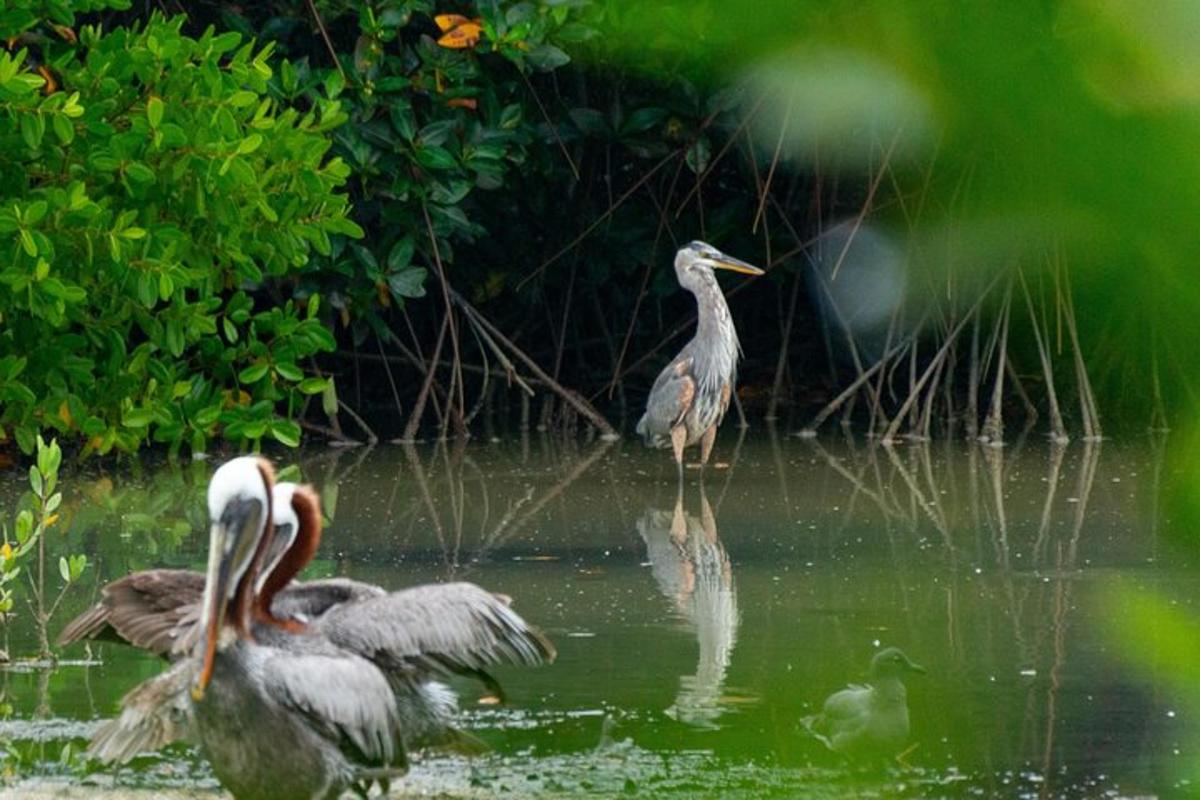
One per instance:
[(692, 570)]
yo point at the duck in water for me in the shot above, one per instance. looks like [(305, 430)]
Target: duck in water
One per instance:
[(871, 721)]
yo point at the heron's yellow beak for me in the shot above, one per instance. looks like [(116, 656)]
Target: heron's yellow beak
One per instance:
[(733, 264)]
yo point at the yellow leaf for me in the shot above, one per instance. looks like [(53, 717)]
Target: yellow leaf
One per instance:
[(447, 21), (64, 413), (50, 520), (6, 551), (464, 36)]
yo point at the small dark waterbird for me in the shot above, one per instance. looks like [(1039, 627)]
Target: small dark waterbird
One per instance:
[(307, 721), (691, 395), (862, 722)]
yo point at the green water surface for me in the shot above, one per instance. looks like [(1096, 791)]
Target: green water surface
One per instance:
[(695, 629)]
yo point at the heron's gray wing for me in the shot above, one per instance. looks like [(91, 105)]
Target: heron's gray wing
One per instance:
[(669, 400), (451, 627), (155, 713), (152, 610), (311, 599), (346, 698)]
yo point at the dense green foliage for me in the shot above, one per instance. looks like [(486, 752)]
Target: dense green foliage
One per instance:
[(142, 192), (215, 220)]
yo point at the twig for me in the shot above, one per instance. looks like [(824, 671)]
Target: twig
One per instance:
[(573, 399), (553, 128), (418, 409), (598, 221), (325, 35), (457, 374), (371, 437)]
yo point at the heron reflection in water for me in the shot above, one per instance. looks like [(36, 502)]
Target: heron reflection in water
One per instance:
[(691, 395), (692, 570)]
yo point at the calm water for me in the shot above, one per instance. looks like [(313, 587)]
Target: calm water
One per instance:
[(695, 630)]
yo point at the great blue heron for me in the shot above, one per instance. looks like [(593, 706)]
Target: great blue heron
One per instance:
[(872, 720), (691, 395)]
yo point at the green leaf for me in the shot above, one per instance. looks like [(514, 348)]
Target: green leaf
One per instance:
[(313, 385), (64, 129), (408, 283), (329, 399), (28, 244), (286, 432), (344, 226), (64, 569), (289, 372), (137, 418), (250, 144), (253, 373), (24, 525), (242, 98), (231, 333), (510, 117), (547, 57), (436, 158), (154, 111), (32, 130), (643, 120), (697, 156), (139, 172), (401, 254)]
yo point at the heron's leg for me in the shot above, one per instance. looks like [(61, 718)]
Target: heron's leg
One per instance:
[(678, 440), (706, 444)]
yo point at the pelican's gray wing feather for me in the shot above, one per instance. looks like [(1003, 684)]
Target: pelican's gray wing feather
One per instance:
[(451, 627), (346, 698), (311, 599), (151, 609), (155, 713)]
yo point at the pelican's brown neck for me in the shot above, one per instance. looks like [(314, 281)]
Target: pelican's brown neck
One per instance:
[(241, 605), (295, 558)]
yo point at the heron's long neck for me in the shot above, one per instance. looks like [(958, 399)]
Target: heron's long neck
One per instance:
[(716, 342)]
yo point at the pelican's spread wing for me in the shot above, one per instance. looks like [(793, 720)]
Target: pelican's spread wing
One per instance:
[(669, 400), (451, 627), (311, 599), (155, 713), (346, 698), (152, 610)]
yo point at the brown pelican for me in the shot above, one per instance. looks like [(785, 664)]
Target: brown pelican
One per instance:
[(691, 395), (307, 721), (871, 720), (692, 570), (410, 636), (157, 609)]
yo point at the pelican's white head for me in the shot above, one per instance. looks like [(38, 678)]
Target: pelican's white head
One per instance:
[(239, 504)]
